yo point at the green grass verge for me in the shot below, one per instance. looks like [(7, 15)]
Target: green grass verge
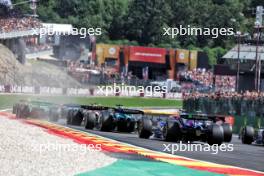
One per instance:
[(8, 100), (146, 168)]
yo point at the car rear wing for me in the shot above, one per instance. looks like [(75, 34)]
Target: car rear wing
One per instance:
[(128, 111), (94, 107), (226, 119), (215, 118)]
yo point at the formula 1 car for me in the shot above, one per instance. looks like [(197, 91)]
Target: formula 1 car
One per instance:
[(67, 112), (36, 109), (249, 135), (16, 105), (121, 119), (182, 126), (104, 118), (75, 113)]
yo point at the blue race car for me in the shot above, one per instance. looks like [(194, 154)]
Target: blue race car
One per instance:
[(182, 126)]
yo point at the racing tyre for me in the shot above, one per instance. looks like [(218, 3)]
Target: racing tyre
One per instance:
[(105, 122), (227, 132), (69, 117), (145, 128), (90, 121), (172, 132), (247, 135), (77, 118), (22, 111), (216, 135)]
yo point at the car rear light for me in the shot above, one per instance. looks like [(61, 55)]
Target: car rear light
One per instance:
[(230, 120)]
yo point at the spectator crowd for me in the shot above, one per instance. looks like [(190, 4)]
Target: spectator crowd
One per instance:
[(202, 80), (15, 21), (198, 76), (225, 103), (225, 83), (13, 24)]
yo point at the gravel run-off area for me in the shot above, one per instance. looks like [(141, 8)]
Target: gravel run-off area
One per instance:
[(29, 150)]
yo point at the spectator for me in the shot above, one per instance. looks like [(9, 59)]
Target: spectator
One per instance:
[(15, 21), (202, 79)]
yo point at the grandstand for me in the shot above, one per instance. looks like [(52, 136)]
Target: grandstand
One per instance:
[(247, 65), (14, 27)]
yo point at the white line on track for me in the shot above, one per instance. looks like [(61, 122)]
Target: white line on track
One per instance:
[(4, 110)]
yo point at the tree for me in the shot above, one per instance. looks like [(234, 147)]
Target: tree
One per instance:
[(104, 14), (214, 54), (146, 19), (142, 21)]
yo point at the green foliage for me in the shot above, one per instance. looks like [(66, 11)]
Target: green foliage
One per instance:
[(214, 54), (145, 20), (141, 22)]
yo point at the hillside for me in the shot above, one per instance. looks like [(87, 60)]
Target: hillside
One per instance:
[(34, 73)]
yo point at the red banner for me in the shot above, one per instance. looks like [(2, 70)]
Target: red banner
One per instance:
[(146, 54)]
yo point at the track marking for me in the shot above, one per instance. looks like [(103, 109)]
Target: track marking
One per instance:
[(79, 137), (194, 163), (159, 156)]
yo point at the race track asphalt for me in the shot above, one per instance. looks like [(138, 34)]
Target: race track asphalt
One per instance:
[(245, 156)]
